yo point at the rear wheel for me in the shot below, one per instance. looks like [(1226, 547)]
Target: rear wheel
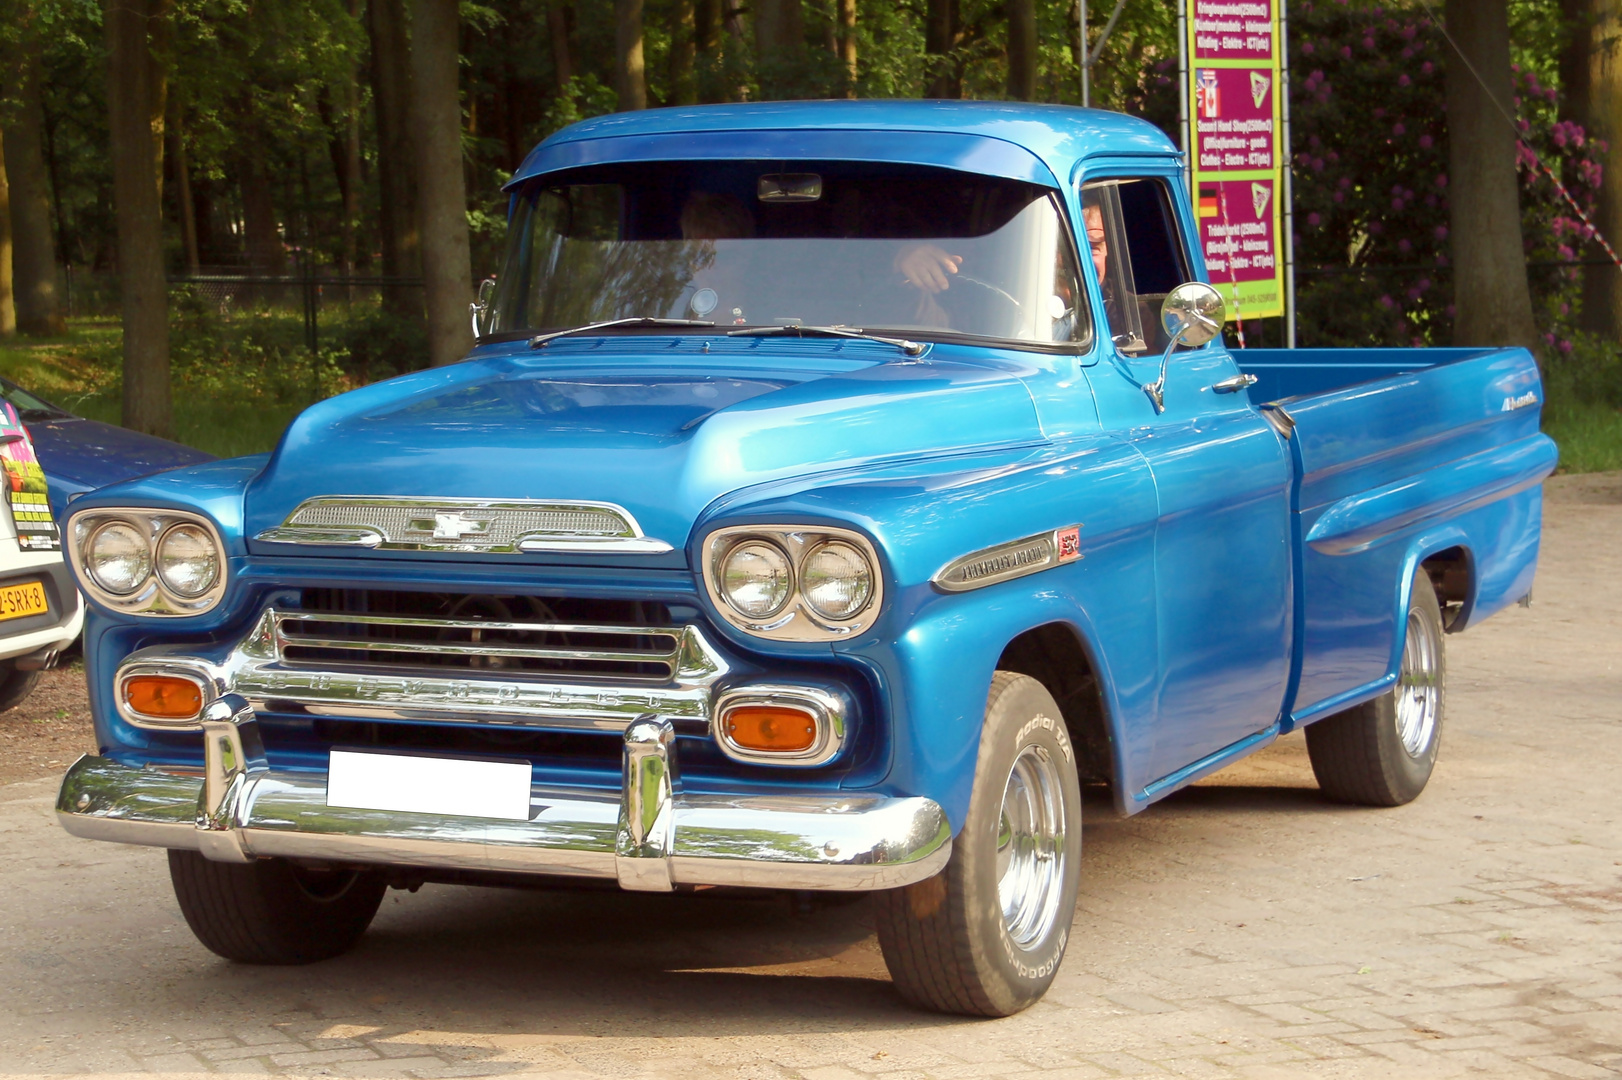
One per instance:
[(984, 937), (1381, 753), (271, 911)]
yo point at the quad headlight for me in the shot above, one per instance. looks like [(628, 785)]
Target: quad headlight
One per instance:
[(793, 582), (148, 562), (756, 579), (118, 558), (188, 560)]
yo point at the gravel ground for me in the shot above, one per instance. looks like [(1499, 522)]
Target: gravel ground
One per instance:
[(47, 732)]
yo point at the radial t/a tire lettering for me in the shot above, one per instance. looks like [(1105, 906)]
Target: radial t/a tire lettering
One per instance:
[(985, 936), (1382, 752), (270, 911)]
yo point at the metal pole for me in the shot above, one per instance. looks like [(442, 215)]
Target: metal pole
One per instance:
[(1086, 94), (1182, 94), (1289, 187)]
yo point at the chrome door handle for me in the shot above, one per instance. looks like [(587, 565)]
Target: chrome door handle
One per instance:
[(1236, 384)]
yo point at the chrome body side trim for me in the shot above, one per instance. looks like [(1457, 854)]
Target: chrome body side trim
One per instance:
[(828, 706), (650, 837), (257, 669), (492, 526), (1004, 562)]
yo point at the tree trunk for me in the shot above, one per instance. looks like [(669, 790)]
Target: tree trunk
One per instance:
[(847, 43), (1491, 297), (683, 47), (630, 80), (436, 114), (1591, 76), (396, 182), (779, 29), (180, 172), (341, 117), (557, 29), (1022, 49), (33, 250), (940, 38), (134, 117), (261, 231), (8, 311)]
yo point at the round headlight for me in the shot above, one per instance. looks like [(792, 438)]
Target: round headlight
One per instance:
[(188, 562), (836, 580), (118, 558), (756, 579)]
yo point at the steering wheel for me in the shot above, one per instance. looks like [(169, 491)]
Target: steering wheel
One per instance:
[(981, 306)]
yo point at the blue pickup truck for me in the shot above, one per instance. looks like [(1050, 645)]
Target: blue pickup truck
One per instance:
[(834, 491)]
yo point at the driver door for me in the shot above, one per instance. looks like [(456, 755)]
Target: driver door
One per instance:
[(1222, 539)]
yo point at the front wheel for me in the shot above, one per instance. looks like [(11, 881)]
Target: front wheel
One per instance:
[(271, 911), (15, 686), (984, 937), (1382, 752)]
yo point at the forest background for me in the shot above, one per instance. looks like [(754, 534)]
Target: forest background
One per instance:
[(219, 211)]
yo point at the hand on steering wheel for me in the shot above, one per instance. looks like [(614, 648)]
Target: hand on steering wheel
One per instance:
[(927, 267)]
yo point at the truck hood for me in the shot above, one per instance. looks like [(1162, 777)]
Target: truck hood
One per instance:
[(662, 439)]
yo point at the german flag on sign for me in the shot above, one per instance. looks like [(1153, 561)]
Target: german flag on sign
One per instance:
[(1209, 206)]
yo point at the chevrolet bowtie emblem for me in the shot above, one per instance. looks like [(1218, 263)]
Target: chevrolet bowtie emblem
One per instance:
[(450, 525)]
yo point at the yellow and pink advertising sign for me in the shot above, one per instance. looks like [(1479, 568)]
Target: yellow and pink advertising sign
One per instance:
[(1236, 152)]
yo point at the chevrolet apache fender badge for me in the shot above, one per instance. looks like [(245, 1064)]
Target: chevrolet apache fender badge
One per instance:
[(1513, 403), (1004, 562)]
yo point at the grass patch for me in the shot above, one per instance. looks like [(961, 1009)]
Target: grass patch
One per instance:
[(237, 382), (1589, 434)]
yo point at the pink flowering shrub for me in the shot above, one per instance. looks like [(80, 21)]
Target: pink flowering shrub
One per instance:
[(1369, 112)]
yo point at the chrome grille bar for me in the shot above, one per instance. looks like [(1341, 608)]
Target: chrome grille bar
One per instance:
[(631, 663), (393, 688)]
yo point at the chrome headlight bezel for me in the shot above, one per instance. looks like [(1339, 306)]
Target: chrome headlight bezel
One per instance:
[(796, 620), (152, 596)]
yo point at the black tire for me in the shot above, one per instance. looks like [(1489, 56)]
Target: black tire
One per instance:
[(946, 940), (15, 686), (1359, 756), (272, 912)]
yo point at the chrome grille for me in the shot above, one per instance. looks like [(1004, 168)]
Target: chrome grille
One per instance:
[(474, 645)]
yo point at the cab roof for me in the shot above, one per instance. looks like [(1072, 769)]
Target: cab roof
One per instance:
[(1039, 144)]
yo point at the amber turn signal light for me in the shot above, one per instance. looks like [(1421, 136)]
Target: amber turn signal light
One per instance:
[(164, 696), (771, 728)]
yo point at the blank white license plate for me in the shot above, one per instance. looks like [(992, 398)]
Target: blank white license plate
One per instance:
[(429, 785)]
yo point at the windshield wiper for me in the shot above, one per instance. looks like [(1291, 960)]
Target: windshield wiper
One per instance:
[(911, 348), (642, 320)]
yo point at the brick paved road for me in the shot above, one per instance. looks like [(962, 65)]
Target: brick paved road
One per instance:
[(1241, 929)]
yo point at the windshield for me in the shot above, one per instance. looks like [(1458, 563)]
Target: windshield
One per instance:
[(30, 409), (928, 252)]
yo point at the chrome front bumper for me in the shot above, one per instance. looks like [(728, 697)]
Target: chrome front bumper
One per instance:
[(651, 837)]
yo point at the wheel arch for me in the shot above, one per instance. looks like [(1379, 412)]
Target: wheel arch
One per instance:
[(1448, 561), (1058, 655)]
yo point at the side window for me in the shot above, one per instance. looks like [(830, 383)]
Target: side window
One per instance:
[(1138, 255)]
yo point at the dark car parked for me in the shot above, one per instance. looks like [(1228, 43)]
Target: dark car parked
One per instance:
[(81, 455)]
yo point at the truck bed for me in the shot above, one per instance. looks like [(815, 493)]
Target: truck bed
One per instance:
[(1401, 456)]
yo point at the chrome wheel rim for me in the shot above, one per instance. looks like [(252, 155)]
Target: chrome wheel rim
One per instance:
[(1030, 846), (1418, 692)]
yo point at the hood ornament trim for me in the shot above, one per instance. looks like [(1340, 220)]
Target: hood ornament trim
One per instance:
[(482, 526)]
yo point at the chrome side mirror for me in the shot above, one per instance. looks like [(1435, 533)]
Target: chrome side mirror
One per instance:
[(479, 310), (1192, 314)]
